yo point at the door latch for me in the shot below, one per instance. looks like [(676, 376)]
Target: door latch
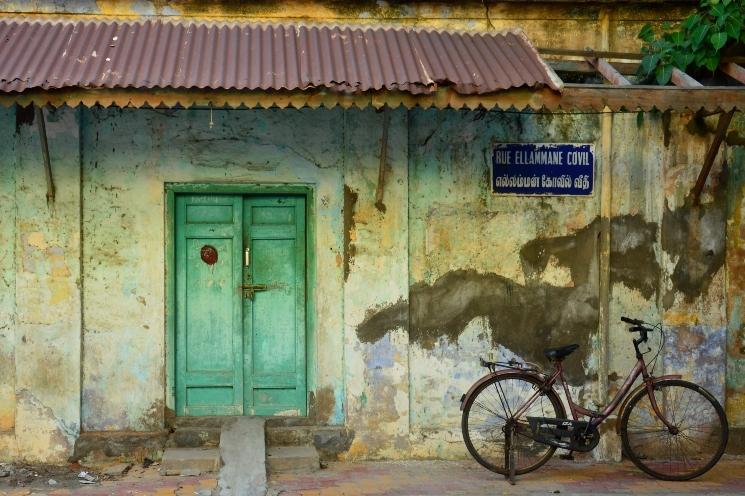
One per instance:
[(250, 289)]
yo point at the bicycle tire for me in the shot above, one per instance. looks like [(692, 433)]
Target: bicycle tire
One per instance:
[(649, 444), (557, 412)]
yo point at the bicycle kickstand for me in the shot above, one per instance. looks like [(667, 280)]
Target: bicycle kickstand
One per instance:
[(511, 455)]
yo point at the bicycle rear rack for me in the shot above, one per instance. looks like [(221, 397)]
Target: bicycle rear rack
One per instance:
[(511, 364)]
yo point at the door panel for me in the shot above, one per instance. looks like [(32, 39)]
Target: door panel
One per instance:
[(209, 294), (274, 319), (237, 351), (209, 355)]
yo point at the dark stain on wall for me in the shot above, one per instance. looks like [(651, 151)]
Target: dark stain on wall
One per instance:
[(350, 202), (632, 258), (517, 315), (378, 321), (321, 404), (572, 251), (331, 443), (526, 318), (24, 117), (694, 236), (153, 418)]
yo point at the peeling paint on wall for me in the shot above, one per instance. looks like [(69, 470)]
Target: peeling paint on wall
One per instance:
[(350, 200)]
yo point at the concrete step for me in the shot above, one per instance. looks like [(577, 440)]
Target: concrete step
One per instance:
[(115, 444), (290, 421), (328, 440), (283, 459), (190, 461), (195, 437), (200, 422)]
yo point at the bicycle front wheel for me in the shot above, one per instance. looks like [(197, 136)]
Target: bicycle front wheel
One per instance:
[(485, 418), (688, 450)]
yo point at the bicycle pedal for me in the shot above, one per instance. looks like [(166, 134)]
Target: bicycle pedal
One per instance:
[(567, 456)]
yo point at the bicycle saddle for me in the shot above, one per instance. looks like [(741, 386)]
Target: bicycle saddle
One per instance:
[(561, 352)]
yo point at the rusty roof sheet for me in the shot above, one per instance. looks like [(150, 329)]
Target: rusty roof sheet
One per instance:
[(351, 59)]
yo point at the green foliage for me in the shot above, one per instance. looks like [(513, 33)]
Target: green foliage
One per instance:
[(698, 42)]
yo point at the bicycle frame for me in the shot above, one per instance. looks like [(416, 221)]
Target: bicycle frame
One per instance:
[(598, 418)]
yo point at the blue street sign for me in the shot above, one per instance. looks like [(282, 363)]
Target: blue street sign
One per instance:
[(543, 169)]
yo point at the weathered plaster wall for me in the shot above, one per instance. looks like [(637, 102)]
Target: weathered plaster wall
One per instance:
[(42, 407), (667, 256), (509, 276), (491, 275), (735, 288), (128, 156), (409, 292), (376, 369), (7, 283), (550, 24)]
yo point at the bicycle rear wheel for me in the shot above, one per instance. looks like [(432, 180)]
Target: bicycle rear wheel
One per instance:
[(485, 416), (694, 445)]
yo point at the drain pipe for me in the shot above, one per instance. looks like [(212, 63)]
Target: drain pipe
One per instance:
[(45, 152)]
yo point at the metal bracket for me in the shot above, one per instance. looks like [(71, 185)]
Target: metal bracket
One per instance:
[(250, 289)]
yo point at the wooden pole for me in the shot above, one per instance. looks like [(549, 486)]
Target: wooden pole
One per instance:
[(711, 154), (41, 126), (383, 161)]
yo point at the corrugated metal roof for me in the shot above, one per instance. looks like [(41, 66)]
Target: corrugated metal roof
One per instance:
[(157, 54)]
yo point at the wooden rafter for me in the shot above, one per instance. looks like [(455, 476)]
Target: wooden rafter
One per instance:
[(683, 80), (735, 71), (608, 71)]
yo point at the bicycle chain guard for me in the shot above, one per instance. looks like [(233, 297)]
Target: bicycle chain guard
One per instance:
[(574, 435)]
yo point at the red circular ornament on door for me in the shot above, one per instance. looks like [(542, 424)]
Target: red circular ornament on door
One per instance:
[(208, 254)]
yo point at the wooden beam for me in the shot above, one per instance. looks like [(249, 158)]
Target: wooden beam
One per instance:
[(591, 53), (711, 154), (573, 97), (739, 59), (683, 80), (608, 71), (582, 66), (645, 97), (735, 71)]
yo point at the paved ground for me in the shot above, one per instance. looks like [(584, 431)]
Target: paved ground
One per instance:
[(417, 478), (468, 478)]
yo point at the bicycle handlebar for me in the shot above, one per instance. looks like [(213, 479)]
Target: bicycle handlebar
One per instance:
[(632, 321), (642, 328)]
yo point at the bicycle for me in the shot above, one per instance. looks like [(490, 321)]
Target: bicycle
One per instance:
[(513, 420)]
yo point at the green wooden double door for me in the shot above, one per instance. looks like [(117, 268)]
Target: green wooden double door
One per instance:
[(240, 305)]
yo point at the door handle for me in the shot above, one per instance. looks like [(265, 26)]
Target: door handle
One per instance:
[(250, 289), (246, 257)]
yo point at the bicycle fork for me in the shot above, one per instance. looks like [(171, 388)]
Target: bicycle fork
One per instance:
[(509, 453)]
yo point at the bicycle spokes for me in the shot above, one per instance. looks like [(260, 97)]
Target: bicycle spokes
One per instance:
[(685, 446), (492, 433)]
